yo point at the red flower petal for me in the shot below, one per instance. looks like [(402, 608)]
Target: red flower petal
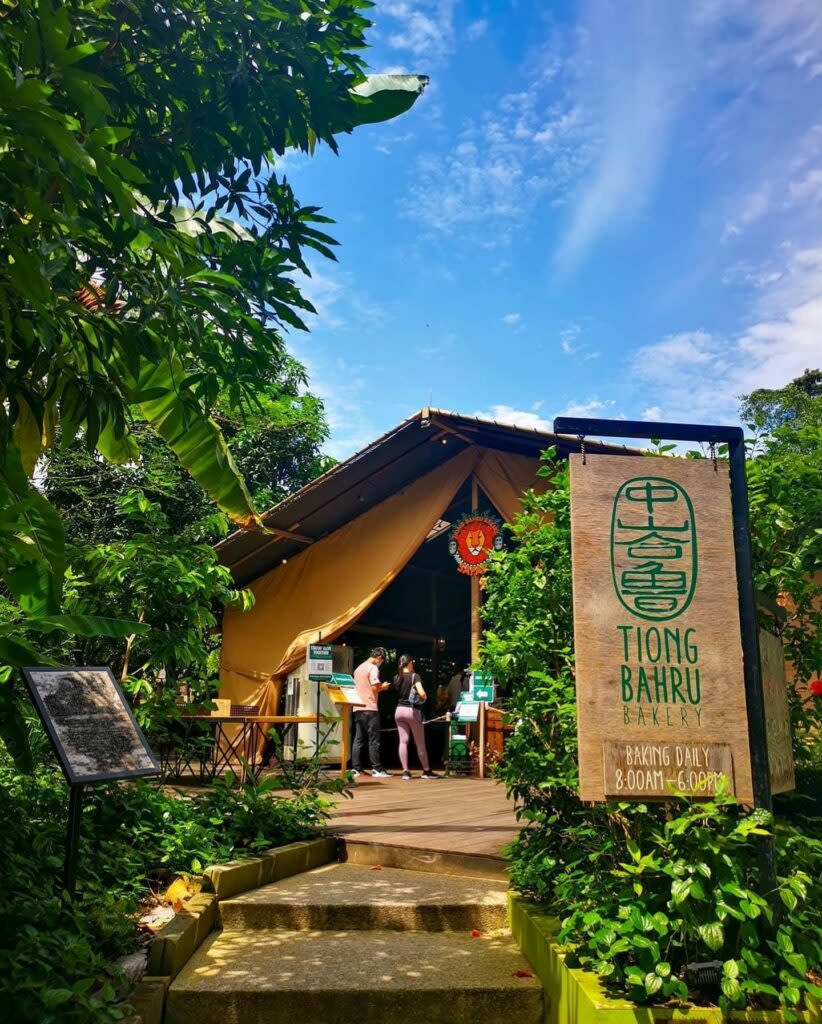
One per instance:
[(475, 933)]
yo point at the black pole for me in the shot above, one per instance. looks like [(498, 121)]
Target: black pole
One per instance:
[(75, 809), (749, 629)]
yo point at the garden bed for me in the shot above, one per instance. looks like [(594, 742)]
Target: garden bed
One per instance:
[(578, 997)]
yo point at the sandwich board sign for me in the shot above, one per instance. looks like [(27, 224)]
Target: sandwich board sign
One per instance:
[(320, 663), (659, 671)]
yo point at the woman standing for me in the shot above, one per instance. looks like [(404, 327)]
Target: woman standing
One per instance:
[(408, 716)]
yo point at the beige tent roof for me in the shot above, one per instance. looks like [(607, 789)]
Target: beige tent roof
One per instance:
[(412, 449)]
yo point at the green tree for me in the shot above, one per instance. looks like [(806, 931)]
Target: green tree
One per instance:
[(798, 402), (129, 135)]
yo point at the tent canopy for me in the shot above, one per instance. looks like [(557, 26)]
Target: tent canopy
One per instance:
[(378, 509)]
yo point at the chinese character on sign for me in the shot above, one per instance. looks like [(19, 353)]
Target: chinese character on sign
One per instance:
[(653, 548)]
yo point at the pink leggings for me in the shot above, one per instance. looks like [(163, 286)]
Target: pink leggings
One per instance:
[(409, 723)]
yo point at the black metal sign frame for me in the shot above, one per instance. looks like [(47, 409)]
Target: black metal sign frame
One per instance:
[(76, 783), (734, 438), (71, 777)]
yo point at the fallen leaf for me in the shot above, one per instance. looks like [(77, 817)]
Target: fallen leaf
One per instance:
[(476, 933), (523, 974)]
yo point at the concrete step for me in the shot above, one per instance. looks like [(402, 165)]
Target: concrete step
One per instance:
[(357, 897), (476, 865), (277, 976)]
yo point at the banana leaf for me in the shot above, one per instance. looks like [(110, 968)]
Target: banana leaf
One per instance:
[(383, 97)]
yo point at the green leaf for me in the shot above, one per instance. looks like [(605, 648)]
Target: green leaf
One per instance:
[(653, 983), (195, 438), (383, 97), (27, 435), (118, 450), (788, 898), (87, 625), (730, 969), (19, 653), (713, 935), (36, 582), (13, 730)]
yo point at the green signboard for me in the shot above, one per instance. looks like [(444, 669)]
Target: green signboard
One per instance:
[(482, 688)]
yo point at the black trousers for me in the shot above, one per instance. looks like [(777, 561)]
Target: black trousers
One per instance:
[(366, 731)]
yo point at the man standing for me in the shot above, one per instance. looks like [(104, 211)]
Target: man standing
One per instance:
[(367, 718)]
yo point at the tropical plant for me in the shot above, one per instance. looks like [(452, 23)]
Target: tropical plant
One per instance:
[(128, 136), (57, 956)]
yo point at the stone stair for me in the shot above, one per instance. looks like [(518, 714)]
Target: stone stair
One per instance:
[(357, 944)]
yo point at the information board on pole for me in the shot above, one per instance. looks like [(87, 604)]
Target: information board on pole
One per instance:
[(90, 725), (659, 672), (320, 663)]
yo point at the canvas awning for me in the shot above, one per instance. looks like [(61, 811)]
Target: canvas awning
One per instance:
[(324, 589)]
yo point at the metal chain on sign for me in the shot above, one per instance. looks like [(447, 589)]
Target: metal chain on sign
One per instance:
[(712, 452), (581, 439)]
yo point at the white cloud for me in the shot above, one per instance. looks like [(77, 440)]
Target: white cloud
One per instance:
[(592, 405), (511, 319), (809, 188), (568, 338), (653, 412), (531, 420), (531, 143), (754, 206), (476, 29), (324, 293), (699, 375), (654, 69), (339, 304), (423, 28), (510, 416)]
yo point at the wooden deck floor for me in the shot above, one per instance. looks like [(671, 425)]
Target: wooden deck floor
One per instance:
[(453, 815)]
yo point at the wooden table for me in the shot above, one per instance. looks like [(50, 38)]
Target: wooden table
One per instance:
[(244, 744)]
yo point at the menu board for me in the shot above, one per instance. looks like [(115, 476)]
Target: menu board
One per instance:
[(90, 724)]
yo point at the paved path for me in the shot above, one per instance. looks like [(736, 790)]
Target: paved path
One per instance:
[(454, 815)]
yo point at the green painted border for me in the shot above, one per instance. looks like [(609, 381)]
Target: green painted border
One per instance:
[(577, 997)]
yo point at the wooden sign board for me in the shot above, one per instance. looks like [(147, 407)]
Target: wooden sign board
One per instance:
[(777, 715), (654, 769), (656, 625), (90, 725)]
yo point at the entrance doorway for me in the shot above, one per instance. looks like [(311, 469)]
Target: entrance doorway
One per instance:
[(425, 613)]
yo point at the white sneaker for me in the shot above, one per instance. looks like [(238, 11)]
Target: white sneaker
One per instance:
[(357, 773), (380, 774)]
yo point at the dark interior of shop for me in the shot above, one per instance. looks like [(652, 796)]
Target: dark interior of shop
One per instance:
[(425, 613)]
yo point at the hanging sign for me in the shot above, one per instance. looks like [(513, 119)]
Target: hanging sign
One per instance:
[(473, 538), (660, 687), (320, 663)]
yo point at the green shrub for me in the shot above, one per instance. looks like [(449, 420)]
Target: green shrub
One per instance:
[(56, 956), (641, 890)]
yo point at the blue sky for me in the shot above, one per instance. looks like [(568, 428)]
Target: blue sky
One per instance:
[(605, 208)]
